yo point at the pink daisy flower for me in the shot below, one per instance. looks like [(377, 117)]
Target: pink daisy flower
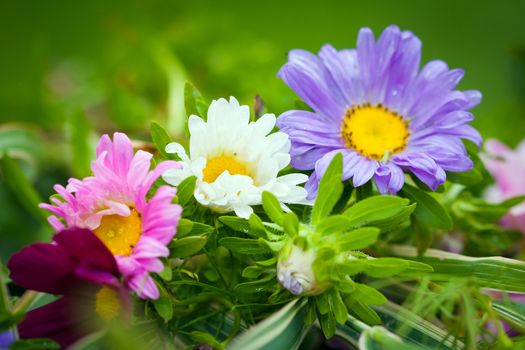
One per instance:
[(114, 205)]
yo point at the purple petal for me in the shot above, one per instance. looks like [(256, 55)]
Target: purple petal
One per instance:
[(343, 66), (306, 121), (364, 170), (423, 166), (389, 178), (306, 77), (304, 156)]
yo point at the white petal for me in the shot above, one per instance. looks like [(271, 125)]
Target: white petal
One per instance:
[(175, 176), (178, 149), (195, 124), (265, 124), (293, 179), (243, 211)]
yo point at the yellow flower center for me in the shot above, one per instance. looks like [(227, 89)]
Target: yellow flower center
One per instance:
[(107, 303), (374, 131), (120, 233), (216, 166)]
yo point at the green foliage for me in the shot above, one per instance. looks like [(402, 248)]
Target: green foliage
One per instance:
[(282, 330), (330, 189), (21, 187), (31, 344), (80, 145), (491, 272), (429, 211), (187, 246), (194, 102), (160, 138)]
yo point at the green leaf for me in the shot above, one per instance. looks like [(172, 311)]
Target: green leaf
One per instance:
[(351, 266), (429, 211), (284, 330), (490, 272), (252, 271), (5, 305), (327, 322), (466, 178), (416, 268), (272, 207), (164, 306), (257, 227), (415, 329), (160, 138), (333, 224), (206, 338), (32, 344), (167, 273), (385, 267), (266, 263), (236, 223), (379, 338), (189, 228), (330, 189), (323, 304), (357, 239), (184, 227), (342, 202), (378, 211), (21, 188), (8, 320), (291, 224), (194, 102), (338, 307), (243, 245), (512, 312), (254, 287), (362, 311), (186, 246), (185, 190), (368, 295)]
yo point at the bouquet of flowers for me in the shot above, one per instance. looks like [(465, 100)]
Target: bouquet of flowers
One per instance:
[(365, 217)]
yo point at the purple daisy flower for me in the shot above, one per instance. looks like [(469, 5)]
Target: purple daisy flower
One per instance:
[(78, 267), (373, 105)]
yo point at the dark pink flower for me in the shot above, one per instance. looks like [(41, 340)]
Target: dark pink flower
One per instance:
[(114, 205), (507, 166), (78, 267)]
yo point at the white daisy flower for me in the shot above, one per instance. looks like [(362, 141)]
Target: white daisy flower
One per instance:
[(235, 160)]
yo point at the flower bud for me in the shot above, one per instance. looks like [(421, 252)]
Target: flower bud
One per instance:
[(295, 272)]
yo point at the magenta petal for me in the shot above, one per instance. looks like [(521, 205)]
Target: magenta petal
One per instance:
[(56, 321), (83, 245), (43, 267)]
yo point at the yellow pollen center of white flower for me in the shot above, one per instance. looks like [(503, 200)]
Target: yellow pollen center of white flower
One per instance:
[(216, 166), (374, 131), (120, 233), (107, 303)]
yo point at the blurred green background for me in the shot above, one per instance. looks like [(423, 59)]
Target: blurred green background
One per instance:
[(71, 70)]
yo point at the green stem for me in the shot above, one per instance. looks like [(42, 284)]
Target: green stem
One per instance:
[(25, 301), (5, 305)]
